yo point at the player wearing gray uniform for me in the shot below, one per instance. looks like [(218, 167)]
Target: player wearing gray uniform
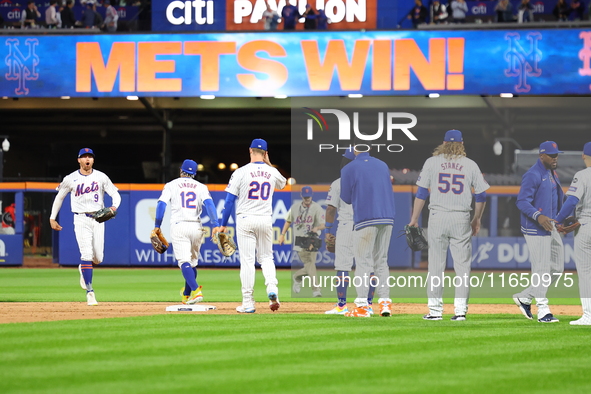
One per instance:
[(450, 176), (366, 185), (579, 197), (87, 187), (253, 186), (539, 200), (310, 218), (186, 197)]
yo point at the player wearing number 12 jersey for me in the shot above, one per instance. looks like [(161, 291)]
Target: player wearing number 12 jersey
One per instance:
[(186, 197), (251, 188), (450, 176)]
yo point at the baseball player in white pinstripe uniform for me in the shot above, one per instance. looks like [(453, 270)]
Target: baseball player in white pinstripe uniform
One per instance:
[(450, 176), (579, 198), (307, 216), (86, 187), (539, 200), (253, 186), (186, 197)]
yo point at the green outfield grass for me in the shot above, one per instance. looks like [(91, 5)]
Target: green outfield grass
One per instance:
[(149, 285), (293, 354), (272, 353)]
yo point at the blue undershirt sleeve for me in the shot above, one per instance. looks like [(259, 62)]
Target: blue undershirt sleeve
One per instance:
[(567, 208), (211, 212), (228, 207), (480, 197), (160, 209), (422, 193)]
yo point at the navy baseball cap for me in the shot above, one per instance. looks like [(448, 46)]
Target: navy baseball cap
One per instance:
[(453, 136), (349, 154), (189, 166), (549, 148), (85, 151), (259, 144), (587, 149), (307, 191)]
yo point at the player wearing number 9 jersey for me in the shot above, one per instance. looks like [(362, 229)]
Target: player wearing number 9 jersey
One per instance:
[(186, 197), (87, 187), (251, 188), (450, 176)]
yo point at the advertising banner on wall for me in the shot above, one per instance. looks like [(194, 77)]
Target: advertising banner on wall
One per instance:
[(381, 63)]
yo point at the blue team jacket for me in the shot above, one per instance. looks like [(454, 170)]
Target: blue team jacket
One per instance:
[(365, 183), (535, 198)]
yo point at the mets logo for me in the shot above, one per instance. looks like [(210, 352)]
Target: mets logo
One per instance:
[(320, 121), (22, 67), (522, 63)]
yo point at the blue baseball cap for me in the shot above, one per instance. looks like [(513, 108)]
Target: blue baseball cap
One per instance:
[(85, 151), (259, 144), (307, 191), (349, 154), (189, 166), (453, 136), (587, 149), (549, 148)]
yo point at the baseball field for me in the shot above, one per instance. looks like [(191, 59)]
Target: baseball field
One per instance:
[(52, 342)]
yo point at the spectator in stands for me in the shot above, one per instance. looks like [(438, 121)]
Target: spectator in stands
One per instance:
[(561, 11), (30, 15), (577, 9), (418, 14), (310, 23), (50, 15), (111, 17), (290, 15), (525, 12), (322, 20), (458, 11), (504, 11), (98, 19), (271, 18), (438, 13), (67, 15)]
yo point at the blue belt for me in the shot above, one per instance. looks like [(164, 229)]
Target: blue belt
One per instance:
[(88, 215)]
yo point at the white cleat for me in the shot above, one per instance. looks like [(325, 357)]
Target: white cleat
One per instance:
[(241, 309), (583, 321), (91, 299), (337, 310), (297, 286), (316, 293), (82, 281)]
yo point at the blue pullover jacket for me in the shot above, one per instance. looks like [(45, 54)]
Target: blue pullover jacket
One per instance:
[(536, 198), (365, 183)]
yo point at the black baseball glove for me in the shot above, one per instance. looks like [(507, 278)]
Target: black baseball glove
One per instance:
[(415, 238), (104, 214), (311, 242)]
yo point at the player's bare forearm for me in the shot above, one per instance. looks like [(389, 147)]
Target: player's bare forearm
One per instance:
[(283, 231), (546, 222), (266, 159), (476, 221), (331, 213), (416, 212), (55, 225)]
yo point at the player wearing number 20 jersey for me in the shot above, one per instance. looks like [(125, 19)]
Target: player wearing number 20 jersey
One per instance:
[(447, 179), (251, 187)]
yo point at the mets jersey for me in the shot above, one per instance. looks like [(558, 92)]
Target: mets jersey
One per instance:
[(580, 187), (334, 198), (87, 191), (254, 184), (186, 197), (451, 182)]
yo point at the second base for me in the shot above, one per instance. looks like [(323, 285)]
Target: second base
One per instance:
[(190, 308)]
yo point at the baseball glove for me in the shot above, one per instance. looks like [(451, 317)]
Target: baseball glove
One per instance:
[(330, 241), (225, 243), (159, 243), (104, 214), (311, 242), (415, 238), (570, 224)]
